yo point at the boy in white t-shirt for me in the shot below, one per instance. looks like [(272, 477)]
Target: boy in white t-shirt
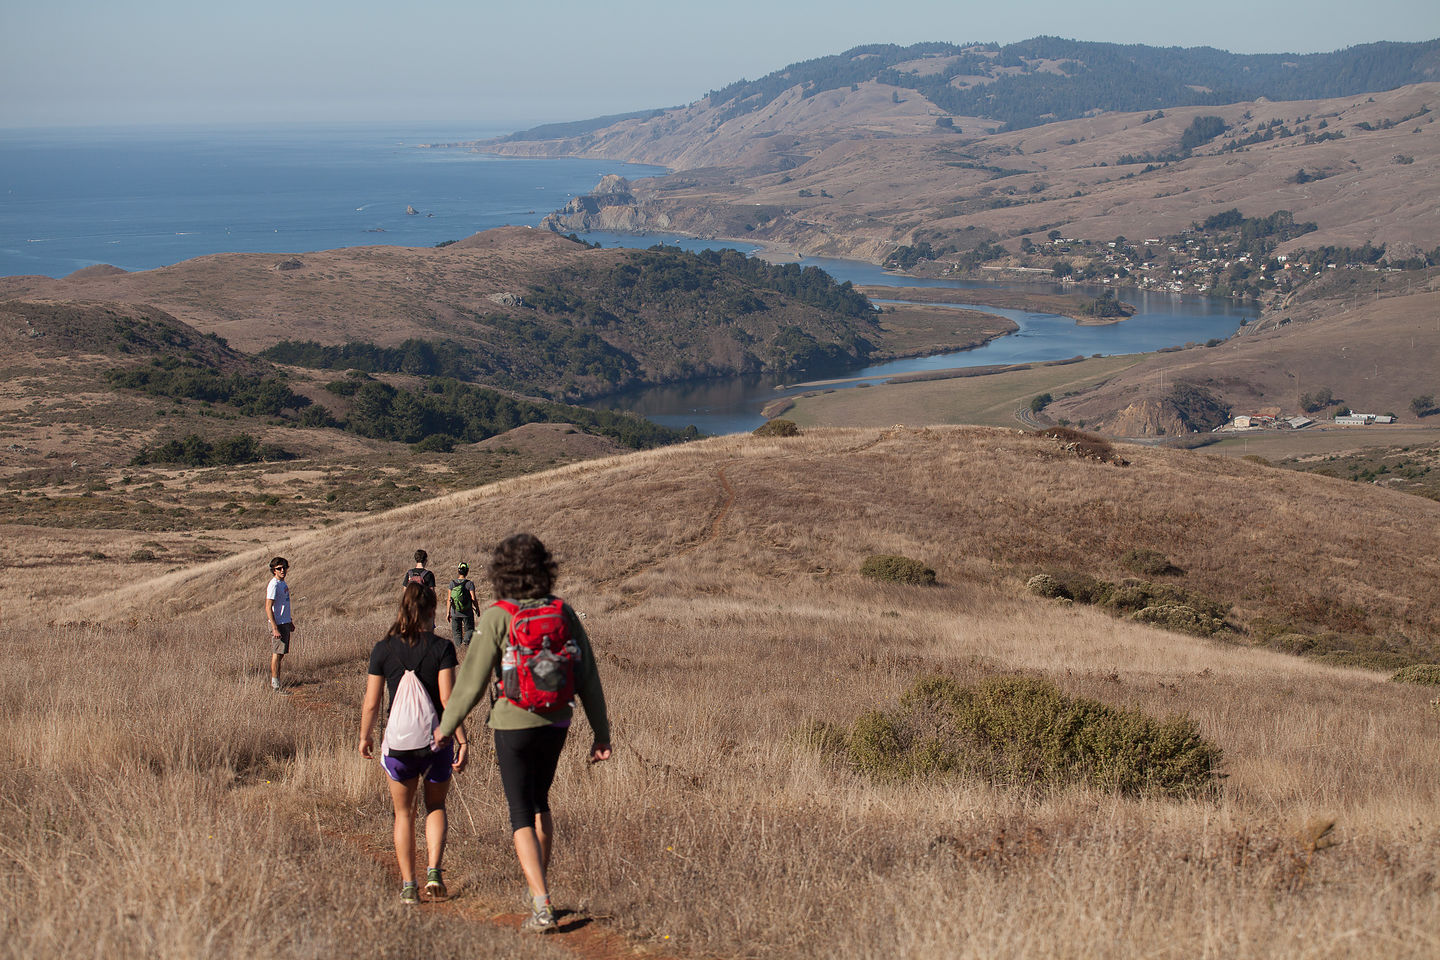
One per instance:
[(277, 611)]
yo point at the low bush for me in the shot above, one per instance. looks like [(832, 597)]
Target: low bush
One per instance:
[(1070, 585), (1141, 600), (1023, 731), (1148, 563), (777, 428), (893, 569), (1180, 617), (1422, 673)]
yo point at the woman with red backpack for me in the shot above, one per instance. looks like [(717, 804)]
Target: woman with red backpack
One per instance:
[(419, 668), (540, 657)]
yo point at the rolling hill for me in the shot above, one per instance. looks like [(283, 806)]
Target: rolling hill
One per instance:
[(857, 154), (514, 308), (741, 649)]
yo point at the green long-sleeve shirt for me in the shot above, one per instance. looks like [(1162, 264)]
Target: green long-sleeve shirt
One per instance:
[(475, 674)]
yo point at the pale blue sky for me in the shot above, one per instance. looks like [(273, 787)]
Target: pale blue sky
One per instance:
[(462, 65)]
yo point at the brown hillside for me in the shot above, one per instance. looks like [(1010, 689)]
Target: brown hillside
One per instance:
[(378, 294), (979, 505), (743, 657), (1374, 345), (599, 324), (875, 174)]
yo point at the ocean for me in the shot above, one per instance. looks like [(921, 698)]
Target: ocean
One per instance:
[(144, 198), (139, 199)]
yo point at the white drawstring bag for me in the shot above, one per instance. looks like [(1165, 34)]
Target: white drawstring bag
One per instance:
[(412, 720)]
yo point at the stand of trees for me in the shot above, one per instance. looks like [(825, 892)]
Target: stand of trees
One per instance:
[(447, 412)]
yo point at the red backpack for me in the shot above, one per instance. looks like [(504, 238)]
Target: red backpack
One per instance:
[(537, 671)]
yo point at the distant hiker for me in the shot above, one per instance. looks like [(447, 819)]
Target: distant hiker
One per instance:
[(419, 669), (460, 606), (277, 611), (543, 657), (418, 574)]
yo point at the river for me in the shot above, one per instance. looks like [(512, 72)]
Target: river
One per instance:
[(733, 405)]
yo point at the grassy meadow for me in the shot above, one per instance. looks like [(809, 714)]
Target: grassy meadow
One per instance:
[(158, 801), (989, 400)]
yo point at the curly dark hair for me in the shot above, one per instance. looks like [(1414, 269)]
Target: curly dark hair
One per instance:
[(521, 568)]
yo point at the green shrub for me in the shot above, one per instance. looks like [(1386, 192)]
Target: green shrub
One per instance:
[(1293, 643), (1024, 731), (893, 569), (1045, 585), (1179, 617), (1141, 600), (1423, 673), (142, 555), (435, 443), (1071, 585), (777, 428), (1148, 563)]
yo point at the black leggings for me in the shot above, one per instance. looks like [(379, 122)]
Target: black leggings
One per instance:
[(527, 768)]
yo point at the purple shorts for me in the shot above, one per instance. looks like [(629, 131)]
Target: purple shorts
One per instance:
[(409, 764)]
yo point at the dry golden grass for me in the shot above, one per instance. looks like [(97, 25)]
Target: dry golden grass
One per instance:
[(721, 585), (989, 400)]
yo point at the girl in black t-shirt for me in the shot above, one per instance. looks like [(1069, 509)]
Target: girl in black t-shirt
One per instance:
[(411, 644)]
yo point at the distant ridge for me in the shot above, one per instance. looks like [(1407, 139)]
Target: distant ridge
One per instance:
[(575, 128), (1044, 79)]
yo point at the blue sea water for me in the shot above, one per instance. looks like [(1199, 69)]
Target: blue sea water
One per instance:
[(145, 198)]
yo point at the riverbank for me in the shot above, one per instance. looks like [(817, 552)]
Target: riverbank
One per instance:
[(1059, 304)]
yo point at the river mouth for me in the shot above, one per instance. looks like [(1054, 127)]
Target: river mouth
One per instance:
[(735, 404)]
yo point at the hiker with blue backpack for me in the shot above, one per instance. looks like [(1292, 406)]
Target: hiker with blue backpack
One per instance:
[(531, 651), (419, 669)]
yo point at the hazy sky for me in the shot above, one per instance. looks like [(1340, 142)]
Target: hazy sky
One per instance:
[(462, 64)]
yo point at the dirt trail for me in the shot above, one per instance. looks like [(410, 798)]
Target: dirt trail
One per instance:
[(586, 936)]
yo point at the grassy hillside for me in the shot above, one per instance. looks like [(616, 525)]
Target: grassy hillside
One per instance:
[(517, 309), (734, 627), (862, 172), (1370, 341)]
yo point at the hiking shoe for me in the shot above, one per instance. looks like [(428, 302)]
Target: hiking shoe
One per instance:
[(434, 885), (409, 893), (541, 920)]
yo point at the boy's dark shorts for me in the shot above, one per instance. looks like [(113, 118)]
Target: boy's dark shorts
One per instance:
[(281, 644)]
